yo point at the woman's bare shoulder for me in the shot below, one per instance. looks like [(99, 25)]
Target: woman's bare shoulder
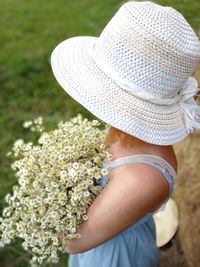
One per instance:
[(144, 180)]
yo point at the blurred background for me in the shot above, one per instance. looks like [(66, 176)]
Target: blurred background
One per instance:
[(29, 32)]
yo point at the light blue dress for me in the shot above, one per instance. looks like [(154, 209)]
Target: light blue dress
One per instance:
[(136, 245)]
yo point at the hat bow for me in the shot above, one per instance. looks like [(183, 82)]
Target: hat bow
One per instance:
[(189, 107)]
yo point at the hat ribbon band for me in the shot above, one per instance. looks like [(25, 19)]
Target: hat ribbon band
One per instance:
[(188, 106)]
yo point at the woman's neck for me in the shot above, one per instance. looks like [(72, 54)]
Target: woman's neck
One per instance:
[(118, 150)]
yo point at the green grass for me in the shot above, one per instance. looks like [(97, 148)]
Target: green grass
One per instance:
[(29, 32)]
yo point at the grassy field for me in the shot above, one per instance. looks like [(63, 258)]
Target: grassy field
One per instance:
[(30, 30)]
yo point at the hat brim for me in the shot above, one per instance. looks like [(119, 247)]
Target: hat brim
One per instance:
[(83, 80)]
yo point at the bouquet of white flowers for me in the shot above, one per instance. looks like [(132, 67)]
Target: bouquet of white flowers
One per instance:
[(58, 179)]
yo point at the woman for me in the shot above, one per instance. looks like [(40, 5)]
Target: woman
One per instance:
[(136, 77)]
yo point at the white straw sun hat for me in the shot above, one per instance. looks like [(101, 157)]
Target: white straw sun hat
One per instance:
[(136, 76)]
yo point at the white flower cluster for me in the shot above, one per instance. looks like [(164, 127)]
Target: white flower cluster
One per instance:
[(58, 179), (35, 125)]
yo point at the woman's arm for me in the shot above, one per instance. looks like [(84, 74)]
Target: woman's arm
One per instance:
[(131, 194)]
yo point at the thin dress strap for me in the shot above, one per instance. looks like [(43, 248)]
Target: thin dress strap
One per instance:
[(155, 161)]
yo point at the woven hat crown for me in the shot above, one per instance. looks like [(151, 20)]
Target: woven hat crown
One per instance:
[(148, 49)]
